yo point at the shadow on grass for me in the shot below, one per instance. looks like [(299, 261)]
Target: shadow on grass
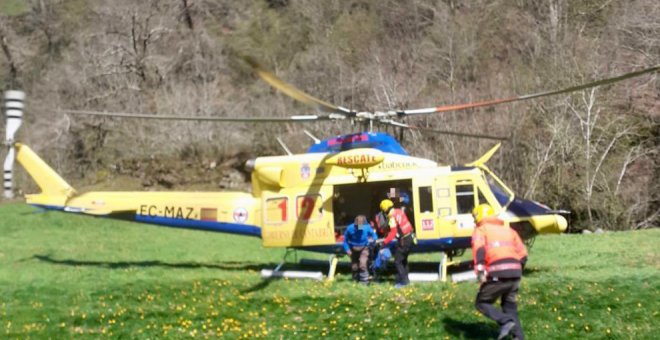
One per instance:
[(257, 287), (230, 265), (469, 330), (533, 271), (343, 268)]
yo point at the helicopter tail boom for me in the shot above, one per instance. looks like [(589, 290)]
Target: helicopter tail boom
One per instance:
[(227, 212)]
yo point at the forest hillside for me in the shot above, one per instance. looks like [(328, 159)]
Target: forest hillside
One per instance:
[(594, 152)]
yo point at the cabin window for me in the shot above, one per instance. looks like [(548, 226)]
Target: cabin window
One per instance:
[(425, 199), (465, 198)]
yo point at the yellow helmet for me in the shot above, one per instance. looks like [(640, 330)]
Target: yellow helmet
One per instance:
[(385, 205), (482, 211)]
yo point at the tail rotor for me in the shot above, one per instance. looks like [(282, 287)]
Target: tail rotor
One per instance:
[(14, 117)]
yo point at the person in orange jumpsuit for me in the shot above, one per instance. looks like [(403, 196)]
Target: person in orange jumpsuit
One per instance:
[(402, 230), (499, 257)]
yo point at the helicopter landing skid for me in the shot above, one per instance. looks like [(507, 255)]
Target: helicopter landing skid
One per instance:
[(291, 274), (446, 260)]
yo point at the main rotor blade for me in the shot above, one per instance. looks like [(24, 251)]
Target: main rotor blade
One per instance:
[(457, 107), (444, 132), (290, 119), (292, 91)]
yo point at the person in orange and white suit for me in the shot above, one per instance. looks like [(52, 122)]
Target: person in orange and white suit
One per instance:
[(499, 257)]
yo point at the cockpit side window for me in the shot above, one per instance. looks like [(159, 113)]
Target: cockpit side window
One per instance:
[(465, 197), (482, 198), (501, 195)]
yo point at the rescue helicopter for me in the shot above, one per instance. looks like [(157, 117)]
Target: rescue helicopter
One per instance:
[(305, 201)]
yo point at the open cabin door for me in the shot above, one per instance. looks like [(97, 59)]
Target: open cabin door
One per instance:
[(352, 199), (295, 218)]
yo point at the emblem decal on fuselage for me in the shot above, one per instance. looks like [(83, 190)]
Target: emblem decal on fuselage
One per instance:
[(427, 224), (240, 215), (305, 171)]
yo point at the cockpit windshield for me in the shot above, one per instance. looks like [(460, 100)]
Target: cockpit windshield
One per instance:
[(501, 194)]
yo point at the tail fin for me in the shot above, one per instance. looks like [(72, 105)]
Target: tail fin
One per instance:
[(54, 189), (482, 161)]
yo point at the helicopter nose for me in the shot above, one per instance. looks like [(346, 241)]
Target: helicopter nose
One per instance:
[(549, 224), (250, 164), (562, 224)]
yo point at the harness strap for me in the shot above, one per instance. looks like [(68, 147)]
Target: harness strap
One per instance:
[(498, 244), (504, 266)]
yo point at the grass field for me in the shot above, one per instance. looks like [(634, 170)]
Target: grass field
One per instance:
[(64, 276)]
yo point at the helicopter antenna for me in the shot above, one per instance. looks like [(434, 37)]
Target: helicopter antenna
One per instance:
[(316, 140), (14, 115), (279, 140)]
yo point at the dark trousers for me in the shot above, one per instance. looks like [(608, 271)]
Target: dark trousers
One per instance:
[(401, 259), (359, 258), (506, 290)]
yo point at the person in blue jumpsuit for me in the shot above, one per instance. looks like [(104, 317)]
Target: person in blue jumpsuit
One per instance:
[(356, 244)]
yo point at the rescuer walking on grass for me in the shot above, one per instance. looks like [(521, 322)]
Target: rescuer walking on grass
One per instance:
[(356, 244), (499, 257), (402, 230)]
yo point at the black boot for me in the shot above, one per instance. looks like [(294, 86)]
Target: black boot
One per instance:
[(506, 329)]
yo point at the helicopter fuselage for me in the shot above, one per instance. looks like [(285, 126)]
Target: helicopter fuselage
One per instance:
[(307, 200)]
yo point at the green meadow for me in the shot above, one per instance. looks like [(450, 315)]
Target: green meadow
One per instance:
[(66, 276)]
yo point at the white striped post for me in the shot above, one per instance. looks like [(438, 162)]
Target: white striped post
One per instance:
[(14, 104)]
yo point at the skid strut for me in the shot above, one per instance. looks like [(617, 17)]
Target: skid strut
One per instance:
[(288, 251), (445, 261), (332, 262)]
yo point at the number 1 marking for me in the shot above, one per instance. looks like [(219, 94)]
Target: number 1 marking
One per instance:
[(282, 207)]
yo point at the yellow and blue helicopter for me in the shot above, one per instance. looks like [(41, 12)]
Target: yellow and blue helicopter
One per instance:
[(304, 201)]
